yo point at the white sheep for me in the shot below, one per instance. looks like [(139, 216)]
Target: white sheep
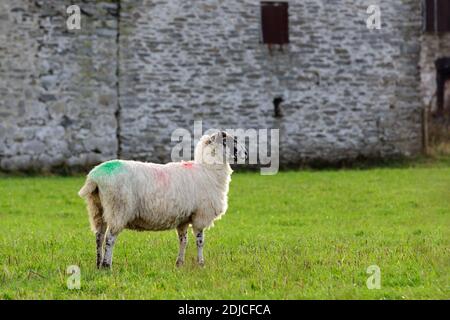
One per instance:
[(147, 196)]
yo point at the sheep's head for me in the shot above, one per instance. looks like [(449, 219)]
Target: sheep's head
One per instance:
[(219, 148)]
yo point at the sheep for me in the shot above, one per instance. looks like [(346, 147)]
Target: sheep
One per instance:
[(140, 196)]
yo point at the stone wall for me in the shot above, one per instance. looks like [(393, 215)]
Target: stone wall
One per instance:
[(348, 91), (74, 98), (58, 88)]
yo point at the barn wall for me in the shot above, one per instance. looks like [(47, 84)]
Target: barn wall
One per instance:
[(136, 71), (57, 87), (348, 91)]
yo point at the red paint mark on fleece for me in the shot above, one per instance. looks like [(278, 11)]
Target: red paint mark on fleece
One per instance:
[(162, 177), (187, 165)]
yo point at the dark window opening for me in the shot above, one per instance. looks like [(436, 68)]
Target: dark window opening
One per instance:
[(436, 15), (274, 23), (442, 82), (277, 107)]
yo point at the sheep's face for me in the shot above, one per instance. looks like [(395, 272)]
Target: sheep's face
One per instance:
[(219, 148)]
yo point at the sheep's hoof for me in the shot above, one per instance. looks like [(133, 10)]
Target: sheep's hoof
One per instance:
[(201, 263), (105, 265), (179, 263)]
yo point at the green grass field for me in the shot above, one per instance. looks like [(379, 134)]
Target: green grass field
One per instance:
[(295, 235)]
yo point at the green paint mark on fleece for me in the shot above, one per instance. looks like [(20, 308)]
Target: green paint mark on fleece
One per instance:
[(107, 169)]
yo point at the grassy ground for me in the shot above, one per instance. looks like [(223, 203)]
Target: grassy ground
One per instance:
[(296, 235)]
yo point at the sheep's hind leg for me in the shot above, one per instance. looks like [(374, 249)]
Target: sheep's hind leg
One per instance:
[(200, 241), (182, 238), (109, 246), (99, 239)]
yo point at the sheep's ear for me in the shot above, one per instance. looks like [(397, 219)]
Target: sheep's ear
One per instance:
[(218, 136), (214, 136)]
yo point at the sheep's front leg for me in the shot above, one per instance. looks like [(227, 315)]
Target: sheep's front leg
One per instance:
[(182, 238), (200, 242), (109, 246)]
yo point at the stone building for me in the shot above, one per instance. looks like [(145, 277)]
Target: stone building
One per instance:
[(138, 69)]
